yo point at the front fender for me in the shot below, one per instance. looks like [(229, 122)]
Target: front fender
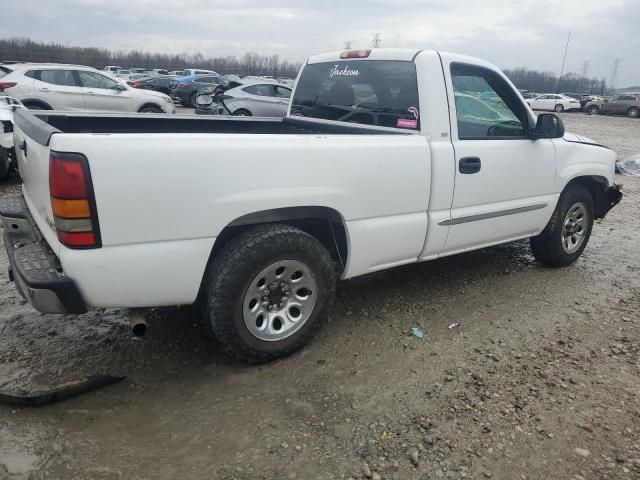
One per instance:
[(578, 157)]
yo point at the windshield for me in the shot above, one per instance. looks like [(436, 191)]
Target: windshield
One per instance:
[(369, 92)]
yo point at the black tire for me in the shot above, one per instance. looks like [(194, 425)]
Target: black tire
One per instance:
[(242, 112), (559, 108), (192, 100), (150, 109), (234, 270), (5, 164), (593, 110), (547, 247), (633, 112)]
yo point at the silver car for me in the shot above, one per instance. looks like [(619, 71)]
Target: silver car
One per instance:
[(258, 100)]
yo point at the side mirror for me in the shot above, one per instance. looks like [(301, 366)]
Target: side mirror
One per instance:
[(548, 125), (606, 100), (118, 88)]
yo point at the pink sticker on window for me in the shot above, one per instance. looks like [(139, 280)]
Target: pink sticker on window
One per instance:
[(407, 123)]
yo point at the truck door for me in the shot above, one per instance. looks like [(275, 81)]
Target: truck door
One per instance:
[(503, 179)]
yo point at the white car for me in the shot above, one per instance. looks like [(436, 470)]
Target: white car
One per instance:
[(74, 87), (250, 100), (8, 105), (198, 71), (554, 103), (112, 69), (363, 174)]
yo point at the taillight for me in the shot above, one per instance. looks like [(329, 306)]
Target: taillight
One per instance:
[(183, 85), (355, 53), (135, 85), (72, 202), (4, 85)]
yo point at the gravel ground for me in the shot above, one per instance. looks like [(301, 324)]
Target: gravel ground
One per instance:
[(539, 381)]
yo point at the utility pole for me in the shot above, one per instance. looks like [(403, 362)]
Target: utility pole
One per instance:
[(614, 74), (377, 40), (564, 59), (347, 44)]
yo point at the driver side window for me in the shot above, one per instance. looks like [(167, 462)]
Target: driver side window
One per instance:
[(486, 106)]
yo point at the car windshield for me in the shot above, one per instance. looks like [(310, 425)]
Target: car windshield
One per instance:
[(370, 92)]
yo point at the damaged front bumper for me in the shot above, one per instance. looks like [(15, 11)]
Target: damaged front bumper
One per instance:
[(33, 266)]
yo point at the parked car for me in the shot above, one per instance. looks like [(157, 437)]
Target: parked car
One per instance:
[(267, 212), (554, 102), (159, 83), (184, 89), (252, 100), (135, 77), (8, 105), (160, 71), (177, 73), (74, 87), (124, 74), (112, 69), (583, 98), (198, 71), (618, 104)]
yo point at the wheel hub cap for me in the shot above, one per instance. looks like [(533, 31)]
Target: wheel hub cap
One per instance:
[(279, 300), (574, 228)]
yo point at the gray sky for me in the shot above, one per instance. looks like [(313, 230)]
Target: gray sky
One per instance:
[(509, 33)]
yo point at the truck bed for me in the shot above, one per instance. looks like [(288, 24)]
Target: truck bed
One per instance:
[(41, 125)]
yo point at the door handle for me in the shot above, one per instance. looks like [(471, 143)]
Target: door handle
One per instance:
[(44, 89), (469, 165)]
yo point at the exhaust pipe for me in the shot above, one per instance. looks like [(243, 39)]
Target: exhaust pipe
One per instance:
[(137, 322)]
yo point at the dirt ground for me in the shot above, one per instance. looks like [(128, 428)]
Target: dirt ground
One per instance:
[(541, 380)]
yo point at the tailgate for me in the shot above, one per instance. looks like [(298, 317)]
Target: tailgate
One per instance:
[(31, 138)]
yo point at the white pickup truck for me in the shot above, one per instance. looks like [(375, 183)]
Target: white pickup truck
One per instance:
[(387, 157)]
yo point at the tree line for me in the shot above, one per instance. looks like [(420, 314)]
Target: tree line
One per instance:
[(548, 82), (27, 50)]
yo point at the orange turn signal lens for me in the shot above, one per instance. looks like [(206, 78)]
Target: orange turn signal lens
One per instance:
[(70, 208)]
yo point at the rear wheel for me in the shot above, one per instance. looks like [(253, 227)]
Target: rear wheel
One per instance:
[(593, 110), (241, 112), (150, 109), (633, 112), (268, 292), (559, 108), (567, 233), (192, 100)]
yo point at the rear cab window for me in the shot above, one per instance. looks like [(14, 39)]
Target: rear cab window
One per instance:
[(383, 93)]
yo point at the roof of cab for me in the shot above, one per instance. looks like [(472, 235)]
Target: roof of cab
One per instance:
[(403, 54)]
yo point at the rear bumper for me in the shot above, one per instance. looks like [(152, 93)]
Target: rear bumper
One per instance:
[(33, 266)]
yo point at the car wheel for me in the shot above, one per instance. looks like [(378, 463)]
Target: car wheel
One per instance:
[(566, 235), (192, 100), (633, 112), (268, 292), (150, 109), (5, 164), (559, 108), (242, 113), (593, 110)]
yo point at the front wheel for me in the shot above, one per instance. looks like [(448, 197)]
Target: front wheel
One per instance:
[(268, 292), (633, 112), (241, 112), (567, 233), (559, 108), (5, 164), (593, 110)]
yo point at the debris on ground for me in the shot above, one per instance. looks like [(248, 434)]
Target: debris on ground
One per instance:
[(417, 332)]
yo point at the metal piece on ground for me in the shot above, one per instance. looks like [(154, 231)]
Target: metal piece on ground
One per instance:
[(62, 392)]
